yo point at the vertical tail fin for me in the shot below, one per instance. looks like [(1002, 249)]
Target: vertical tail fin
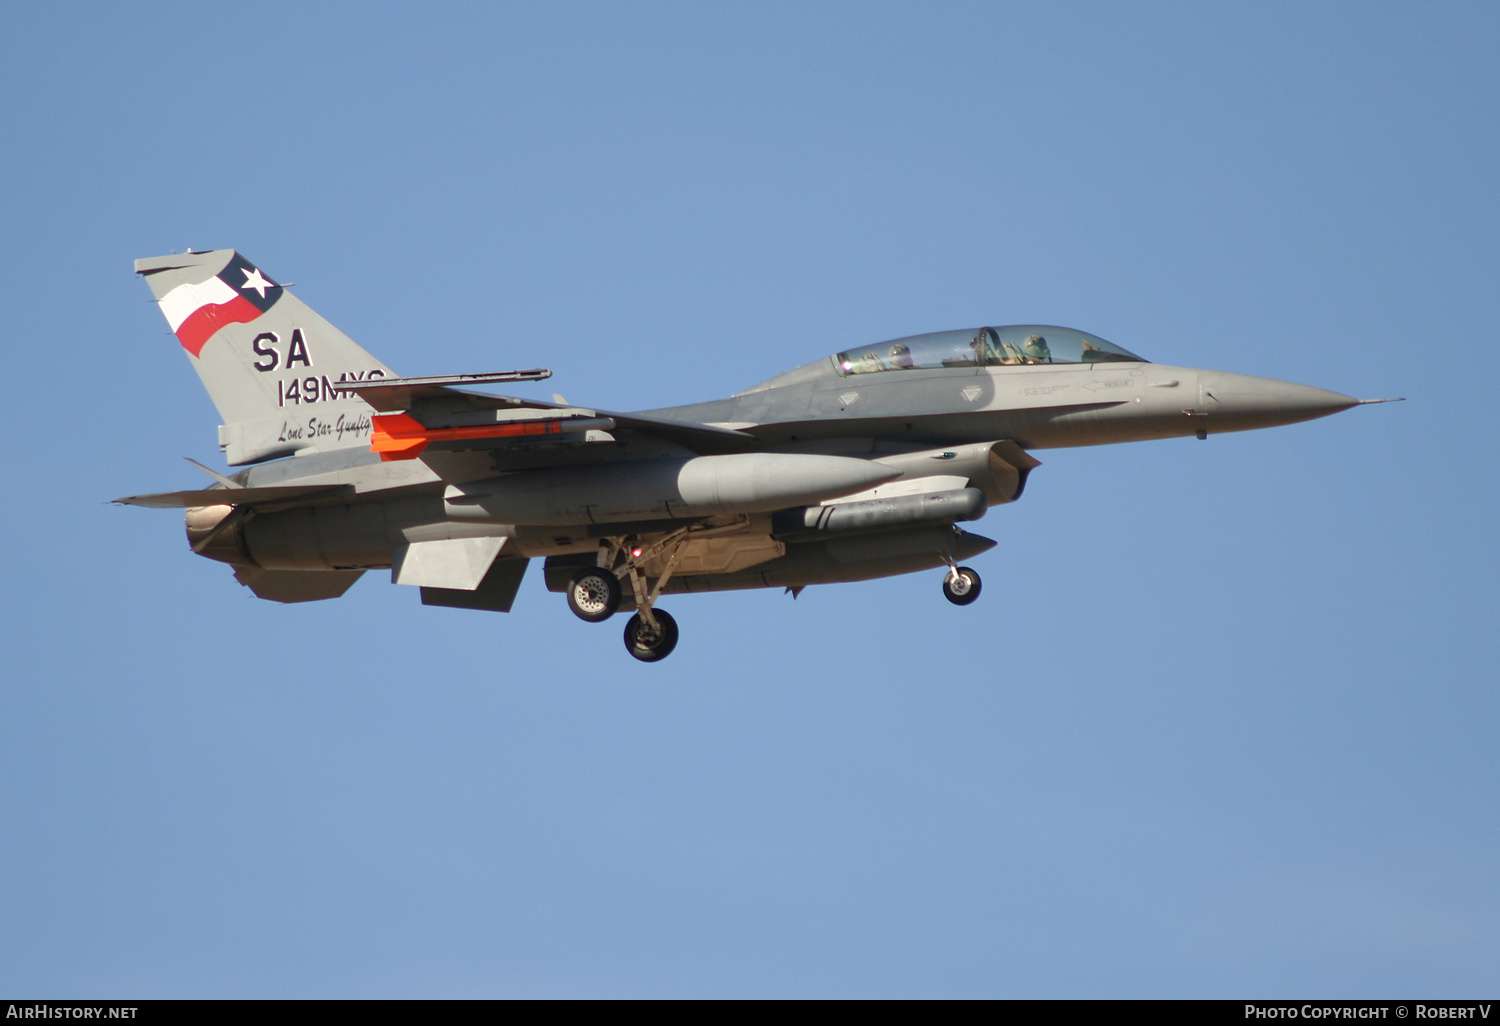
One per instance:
[(270, 363)]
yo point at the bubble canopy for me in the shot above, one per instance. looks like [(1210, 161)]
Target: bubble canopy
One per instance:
[(1011, 345)]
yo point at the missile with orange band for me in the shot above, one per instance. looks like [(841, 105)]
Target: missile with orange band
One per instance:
[(400, 436)]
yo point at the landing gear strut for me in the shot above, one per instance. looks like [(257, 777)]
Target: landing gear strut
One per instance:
[(651, 633), (961, 586)]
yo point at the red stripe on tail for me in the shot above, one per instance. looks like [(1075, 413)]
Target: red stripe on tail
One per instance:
[(203, 322)]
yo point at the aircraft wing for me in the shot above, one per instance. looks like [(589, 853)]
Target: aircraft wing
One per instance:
[(418, 415), (460, 433), (393, 395), (701, 438)]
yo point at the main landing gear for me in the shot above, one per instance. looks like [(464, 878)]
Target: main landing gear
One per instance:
[(595, 592), (649, 643)]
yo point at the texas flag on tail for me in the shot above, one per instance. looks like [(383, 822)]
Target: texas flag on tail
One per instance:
[(238, 294)]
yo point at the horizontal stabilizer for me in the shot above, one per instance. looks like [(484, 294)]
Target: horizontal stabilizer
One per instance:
[(296, 585), (232, 496)]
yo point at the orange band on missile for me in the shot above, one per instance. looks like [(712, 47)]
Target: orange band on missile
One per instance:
[(400, 436)]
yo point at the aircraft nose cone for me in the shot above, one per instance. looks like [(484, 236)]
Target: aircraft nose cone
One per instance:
[(1237, 401)]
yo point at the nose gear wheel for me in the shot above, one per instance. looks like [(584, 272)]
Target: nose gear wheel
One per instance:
[(961, 586)]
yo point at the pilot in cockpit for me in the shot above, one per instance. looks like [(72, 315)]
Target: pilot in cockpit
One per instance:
[(1036, 350), (901, 358)]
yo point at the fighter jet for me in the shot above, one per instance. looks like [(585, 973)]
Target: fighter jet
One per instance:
[(859, 465)]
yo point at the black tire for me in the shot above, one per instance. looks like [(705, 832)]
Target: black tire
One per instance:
[(646, 644), (966, 589), (594, 594)]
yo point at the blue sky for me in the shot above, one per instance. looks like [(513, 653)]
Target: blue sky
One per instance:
[(1222, 724)]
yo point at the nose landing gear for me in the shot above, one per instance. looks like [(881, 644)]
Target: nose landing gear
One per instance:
[(961, 586)]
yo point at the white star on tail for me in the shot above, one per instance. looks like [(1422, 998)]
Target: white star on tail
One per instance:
[(254, 280)]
